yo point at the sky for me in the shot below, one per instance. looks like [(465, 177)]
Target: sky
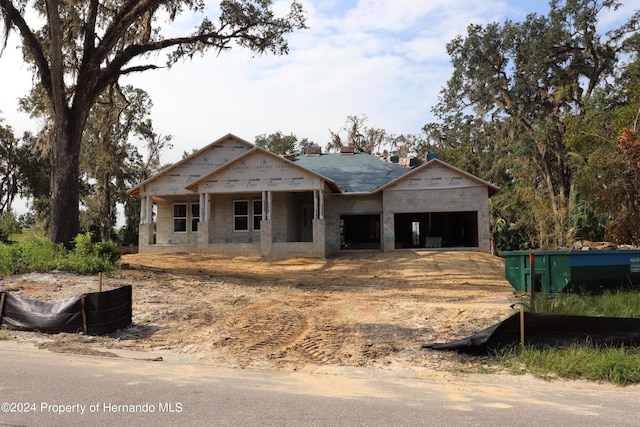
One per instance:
[(385, 59)]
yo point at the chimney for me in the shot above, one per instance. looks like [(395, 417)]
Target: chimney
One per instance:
[(350, 149), (314, 151)]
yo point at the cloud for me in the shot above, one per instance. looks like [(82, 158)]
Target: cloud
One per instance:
[(382, 58)]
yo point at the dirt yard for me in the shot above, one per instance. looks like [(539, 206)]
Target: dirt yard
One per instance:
[(359, 309)]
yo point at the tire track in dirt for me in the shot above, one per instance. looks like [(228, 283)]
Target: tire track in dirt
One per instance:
[(265, 330), (323, 344)]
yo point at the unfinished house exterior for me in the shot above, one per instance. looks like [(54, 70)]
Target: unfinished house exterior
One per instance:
[(232, 198)]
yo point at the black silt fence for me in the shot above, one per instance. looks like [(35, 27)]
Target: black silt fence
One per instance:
[(94, 313)]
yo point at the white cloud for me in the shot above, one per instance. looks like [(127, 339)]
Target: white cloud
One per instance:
[(382, 58)]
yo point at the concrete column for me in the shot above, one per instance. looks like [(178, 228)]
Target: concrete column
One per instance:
[(202, 202), (315, 204), (145, 236), (207, 207), (146, 212), (149, 219), (143, 210), (264, 206)]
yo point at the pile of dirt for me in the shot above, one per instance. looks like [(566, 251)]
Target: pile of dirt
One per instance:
[(357, 309)]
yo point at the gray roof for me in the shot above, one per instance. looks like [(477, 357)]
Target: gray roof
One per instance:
[(353, 173)]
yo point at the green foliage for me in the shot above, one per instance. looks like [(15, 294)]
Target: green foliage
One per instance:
[(8, 226), (3, 336), (278, 143), (530, 107), (40, 254), (31, 254)]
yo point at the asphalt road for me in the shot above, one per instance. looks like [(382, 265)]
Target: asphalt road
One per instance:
[(40, 388)]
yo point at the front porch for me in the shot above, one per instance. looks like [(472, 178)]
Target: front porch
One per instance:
[(267, 224)]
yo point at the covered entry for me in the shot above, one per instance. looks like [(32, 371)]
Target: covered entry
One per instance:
[(360, 231), (436, 229)]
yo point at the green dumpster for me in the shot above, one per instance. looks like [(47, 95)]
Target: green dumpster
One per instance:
[(589, 270)]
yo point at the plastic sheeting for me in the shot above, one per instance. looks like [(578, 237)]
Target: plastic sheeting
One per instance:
[(549, 330), (95, 313)]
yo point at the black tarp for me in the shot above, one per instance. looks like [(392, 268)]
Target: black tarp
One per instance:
[(24, 314), (101, 312), (108, 311), (549, 330)]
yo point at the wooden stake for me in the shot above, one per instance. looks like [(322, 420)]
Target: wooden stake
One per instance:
[(100, 281), (522, 324), (532, 275), (1, 307), (84, 314)]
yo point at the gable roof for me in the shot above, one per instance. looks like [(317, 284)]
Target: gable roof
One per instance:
[(353, 173), (194, 185), (357, 173), (492, 189), (135, 191)]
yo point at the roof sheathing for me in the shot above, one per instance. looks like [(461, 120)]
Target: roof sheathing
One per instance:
[(357, 173), (492, 189), (135, 191), (194, 185)]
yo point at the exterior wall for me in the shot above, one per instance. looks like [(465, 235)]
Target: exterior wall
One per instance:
[(164, 228), (337, 205), (279, 217), (441, 200), (221, 221)]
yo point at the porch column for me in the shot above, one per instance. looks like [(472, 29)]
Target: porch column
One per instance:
[(143, 210), (204, 225), (145, 230), (318, 204), (207, 207), (264, 206), (146, 210), (315, 204), (203, 208)]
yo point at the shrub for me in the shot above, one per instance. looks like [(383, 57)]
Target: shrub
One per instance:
[(40, 254)]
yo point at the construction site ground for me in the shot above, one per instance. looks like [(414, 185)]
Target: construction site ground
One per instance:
[(359, 309)]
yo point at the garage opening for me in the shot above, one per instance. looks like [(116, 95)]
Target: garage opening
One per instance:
[(436, 230), (360, 232)]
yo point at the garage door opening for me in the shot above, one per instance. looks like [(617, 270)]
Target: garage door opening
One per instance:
[(436, 230), (360, 232)]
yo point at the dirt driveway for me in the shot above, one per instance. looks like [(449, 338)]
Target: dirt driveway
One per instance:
[(358, 309)]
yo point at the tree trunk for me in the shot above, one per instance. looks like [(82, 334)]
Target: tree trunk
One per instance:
[(64, 223)]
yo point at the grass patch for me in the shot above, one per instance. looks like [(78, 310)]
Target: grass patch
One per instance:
[(609, 304), (617, 365), (3, 336)]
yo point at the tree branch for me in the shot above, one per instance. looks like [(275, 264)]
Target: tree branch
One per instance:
[(13, 17)]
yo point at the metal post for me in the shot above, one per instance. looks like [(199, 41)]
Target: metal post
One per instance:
[(532, 274)]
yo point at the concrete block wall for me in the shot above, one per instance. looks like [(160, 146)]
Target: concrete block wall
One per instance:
[(442, 200), (336, 205), (222, 220), (164, 225)]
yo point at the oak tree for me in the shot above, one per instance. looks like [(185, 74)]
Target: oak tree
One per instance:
[(78, 48)]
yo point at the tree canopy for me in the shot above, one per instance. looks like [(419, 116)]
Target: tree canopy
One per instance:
[(78, 49), (515, 106)]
